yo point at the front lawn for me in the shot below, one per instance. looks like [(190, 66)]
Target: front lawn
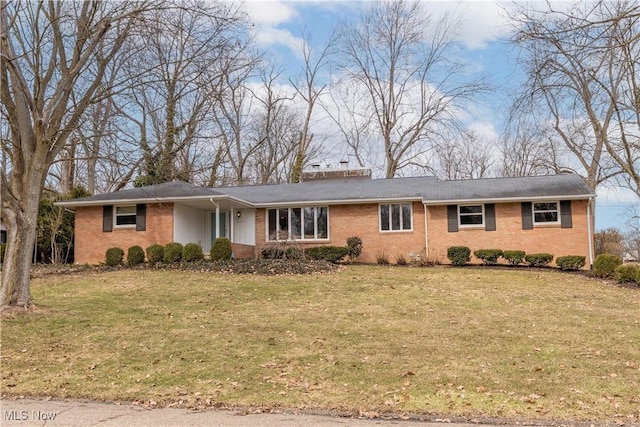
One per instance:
[(445, 342)]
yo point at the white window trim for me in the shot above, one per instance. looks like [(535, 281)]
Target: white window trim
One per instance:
[(461, 225), (543, 223), (115, 216), (401, 230), (302, 238)]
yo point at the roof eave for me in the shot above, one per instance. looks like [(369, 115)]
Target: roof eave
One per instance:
[(339, 202), (70, 204), (510, 199)]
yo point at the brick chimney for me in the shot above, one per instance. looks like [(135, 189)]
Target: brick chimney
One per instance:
[(317, 173)]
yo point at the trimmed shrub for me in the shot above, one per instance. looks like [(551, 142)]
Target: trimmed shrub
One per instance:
[(514, 257), (538, 260), (135, 255), (570, 262), (327, 253), (627, 273), (192, 252), (114, 256), (605, 265), (173, 252), (354, 245), (488, 256), (221, 249), (155, 254), (459, 255)]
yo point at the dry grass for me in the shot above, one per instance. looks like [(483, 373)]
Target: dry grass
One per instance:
[(465, 342)]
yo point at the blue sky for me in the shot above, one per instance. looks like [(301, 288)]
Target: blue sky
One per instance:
[(482, 43)]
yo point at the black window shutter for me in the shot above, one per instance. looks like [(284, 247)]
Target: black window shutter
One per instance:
[(107, 218), (527, 216), (565, 214), (452, 218), (490, 217), (141, 217)]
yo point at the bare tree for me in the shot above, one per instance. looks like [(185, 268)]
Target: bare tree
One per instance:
[(347, 108), (403, 60), (583, 79), (232, 121), (276, 129), (185, 49), (308, 88), (465, 158), (526, 149), (53, 59)]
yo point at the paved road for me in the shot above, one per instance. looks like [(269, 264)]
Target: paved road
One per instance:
[(74, 413)]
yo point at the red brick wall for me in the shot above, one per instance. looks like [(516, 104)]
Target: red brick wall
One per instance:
[(91, 243), (509, 234), (362, 221), (243, 251)]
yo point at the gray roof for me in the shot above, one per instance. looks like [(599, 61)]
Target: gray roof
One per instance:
[(425, 189), (167, 190), (530, 187)]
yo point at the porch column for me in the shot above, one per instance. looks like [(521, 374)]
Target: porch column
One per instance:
[(217, 221), (232, 220)]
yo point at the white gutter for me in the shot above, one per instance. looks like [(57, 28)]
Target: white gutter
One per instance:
[(589, 234), (508, 199), (426, 234), (72, 203)]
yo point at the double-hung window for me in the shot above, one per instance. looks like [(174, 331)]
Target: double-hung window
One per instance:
[(546, 213), (471, 215), (308, 223), (396, 217), (125, 216)]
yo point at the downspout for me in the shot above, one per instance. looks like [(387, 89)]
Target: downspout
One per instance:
[(590, 233), (426, 234)]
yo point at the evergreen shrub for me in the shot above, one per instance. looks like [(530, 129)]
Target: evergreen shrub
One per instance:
[(173, 252), (459, 255), (155, 254), (605, 265), (135, 255), (114, 256), (627, 273), (221, 249), (514, 257), (488, 256), (538, 260), (192, 252), (327, 253), (570, 262)]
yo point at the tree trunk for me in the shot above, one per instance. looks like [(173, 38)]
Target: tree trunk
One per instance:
[(21, 237)]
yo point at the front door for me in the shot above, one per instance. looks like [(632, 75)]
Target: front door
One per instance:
[(223, 226)]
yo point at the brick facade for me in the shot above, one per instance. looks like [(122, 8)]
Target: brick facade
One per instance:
[(91, 243), (509, 234), (362, 221)]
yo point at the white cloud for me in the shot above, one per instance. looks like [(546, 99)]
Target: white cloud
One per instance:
[(481, 21), (270, 12), (267, 16)]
